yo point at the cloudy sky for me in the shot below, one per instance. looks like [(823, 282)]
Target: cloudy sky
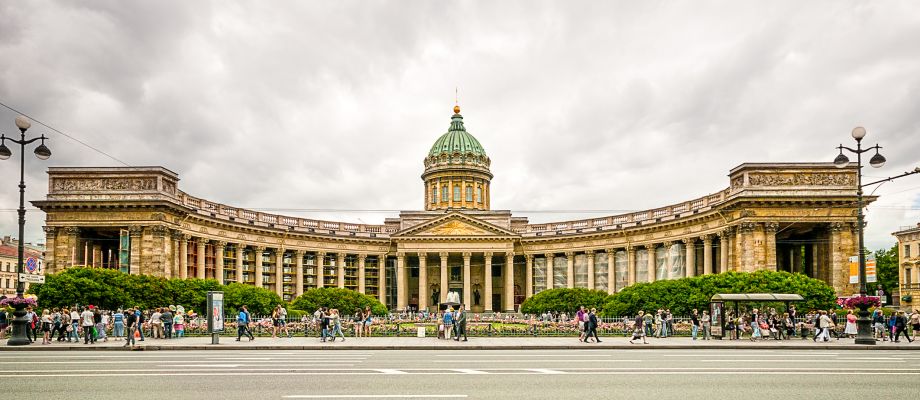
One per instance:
[(581, 106)]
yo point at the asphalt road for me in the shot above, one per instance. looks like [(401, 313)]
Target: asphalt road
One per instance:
[(513, 374)]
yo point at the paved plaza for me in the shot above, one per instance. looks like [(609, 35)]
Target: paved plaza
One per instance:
[(710, 373)]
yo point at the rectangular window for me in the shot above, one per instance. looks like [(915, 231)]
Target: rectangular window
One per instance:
[(456, 192), (469, 193), (906, 251), (434, 195), (479, 195), (444, 193)]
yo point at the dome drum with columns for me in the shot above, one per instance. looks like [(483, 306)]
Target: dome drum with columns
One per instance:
[(797, 217)]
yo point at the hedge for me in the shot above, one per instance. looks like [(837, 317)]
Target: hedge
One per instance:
[(683, 295), (112, 289), (563, 300), (345, 300)]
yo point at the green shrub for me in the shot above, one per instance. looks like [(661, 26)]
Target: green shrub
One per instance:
[(563, 300), (345, 300), (683, 295)]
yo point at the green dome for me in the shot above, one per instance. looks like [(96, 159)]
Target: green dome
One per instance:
[(456, 140)]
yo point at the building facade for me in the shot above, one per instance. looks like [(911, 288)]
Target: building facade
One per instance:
[(9, 257), (909, 266), (797, 217)]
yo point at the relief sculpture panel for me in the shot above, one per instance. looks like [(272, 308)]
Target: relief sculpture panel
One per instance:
[(802, 179), (103, 185)]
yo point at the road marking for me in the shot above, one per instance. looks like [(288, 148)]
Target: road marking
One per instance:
[(809, 361), (531, 361), (547, 371), (375, 396), (471, 371), (530, 372), (391, 371), (286, 362), (201, 365)]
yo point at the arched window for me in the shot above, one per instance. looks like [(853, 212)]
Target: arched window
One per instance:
[(469, 193), (444, 193), (434, 194), (456, 192), (479, 194)]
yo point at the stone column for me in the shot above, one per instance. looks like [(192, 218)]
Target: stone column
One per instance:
[(667, 260), (689, 245), (549, 271), (444, 276), (723, 251), (199, 264), (402, 297), (611, 271), (450, 193), (50, 265), (135, 231), (279, 272), (340, 270), (589, 254), (382, 278), (508, 296), (183, 256), (158, 252), (239, 262), (631, 265), (770, 229), (219, 248), (650, 248), (707, 254), (487, 282), (570, 269), (298, 273), (362, 274), (320, 276), (176, 237), (528, 275), (467, 292), (747, 246), (258, 250), (422, 281)]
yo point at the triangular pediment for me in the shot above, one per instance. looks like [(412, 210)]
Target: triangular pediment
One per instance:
[(455, 224)]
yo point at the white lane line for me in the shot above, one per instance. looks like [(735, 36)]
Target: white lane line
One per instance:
[(753, 354), (375, 396), (391, 371), (331, 358), (547, 371), (804, 361), (654, 373), (286, 362), (471, 371), (532, 361)]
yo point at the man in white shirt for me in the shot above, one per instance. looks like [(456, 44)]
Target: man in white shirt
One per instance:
[(86, 320), (156, 325)]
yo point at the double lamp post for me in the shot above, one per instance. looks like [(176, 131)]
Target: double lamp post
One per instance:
[(19, 337)]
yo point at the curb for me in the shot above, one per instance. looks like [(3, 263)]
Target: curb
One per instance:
[(456, 348)]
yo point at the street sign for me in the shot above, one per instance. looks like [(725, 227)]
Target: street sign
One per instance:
[(870, 269), (215, 315), (31, 265), (31, 278)]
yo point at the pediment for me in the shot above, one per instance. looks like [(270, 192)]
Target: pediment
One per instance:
[(455, 224)]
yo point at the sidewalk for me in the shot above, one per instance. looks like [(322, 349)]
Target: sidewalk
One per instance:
[(474, 343)]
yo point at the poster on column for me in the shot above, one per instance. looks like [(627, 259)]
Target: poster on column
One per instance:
[(870, 269)]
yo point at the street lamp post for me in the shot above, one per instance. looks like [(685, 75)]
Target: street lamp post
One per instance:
[(19, 337), (863, 323)]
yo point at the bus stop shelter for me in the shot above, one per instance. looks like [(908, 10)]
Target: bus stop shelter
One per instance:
[(717, 305)]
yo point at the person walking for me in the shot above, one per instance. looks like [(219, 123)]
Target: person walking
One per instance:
[(102, 322), (448, 322), (580, 321), (336, 322), (368, 320), (323, 315), (118, 324), (819, 326), (167, 318), (639, 331), (242, 325), (74, 325), (358, 322), (900, 327), (694, 323), (850, 329), (156, 324), (179, 324), (461, 323), (140, 322), (4, 323), (276, 321), (46, 322), (706, 323), (86, 322), (914, 322), (131, 325), (56, 324), (591, 326)]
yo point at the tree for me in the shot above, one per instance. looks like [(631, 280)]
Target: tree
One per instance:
[(563, 300), (683, 295), (345, 300), (886, 267), (258, 300)]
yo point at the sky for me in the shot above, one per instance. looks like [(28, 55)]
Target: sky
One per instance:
[(327, 109)]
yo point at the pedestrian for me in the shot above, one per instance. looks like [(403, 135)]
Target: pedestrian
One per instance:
[(648, 322), (131, 325), (706, 323), (669, 321), (46, 326), (30, 324), (156, 324), (242, 325), (4, 323), (819, 326), (638, 328), (74, 325), (591, 326), (368, 320), (827, 325), (850, 329), (336, 322), (282, 315), (915, 323), (793, 315), (324, 319), (56, 325), (178, 324), (276, 321), (358, 321), (900, 327), (87, 323), (167, 318), (140, 322), (461, 323), (448, 322), (832, 314), (580, 318), (694, 323), (118, 322), (102, 322)]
